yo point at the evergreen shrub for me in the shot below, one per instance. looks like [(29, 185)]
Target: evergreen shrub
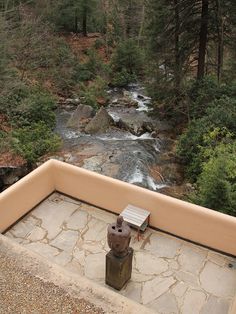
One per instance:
[(32, 142)]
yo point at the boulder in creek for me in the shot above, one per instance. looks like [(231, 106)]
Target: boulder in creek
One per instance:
[(135, 127), (128, 102), (82, 113), (11, 174), (100, 123)]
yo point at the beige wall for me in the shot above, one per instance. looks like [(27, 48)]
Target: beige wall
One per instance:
[(232, 310), (22, 196), (183, 219)]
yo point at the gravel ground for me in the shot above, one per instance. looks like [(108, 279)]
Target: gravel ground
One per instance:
[(22, 293)]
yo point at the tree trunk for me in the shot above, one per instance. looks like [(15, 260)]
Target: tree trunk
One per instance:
[(129, 18), (220, 35), (220, 54), (76, 21), (177, 66), (85, 22), (105, 8), (203, 40), (141, 23)]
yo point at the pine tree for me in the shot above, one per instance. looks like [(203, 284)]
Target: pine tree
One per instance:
[(172, 28)]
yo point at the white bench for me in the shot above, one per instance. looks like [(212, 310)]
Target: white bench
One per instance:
[(136, 217)]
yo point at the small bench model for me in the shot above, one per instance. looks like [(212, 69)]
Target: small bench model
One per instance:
[(136, 217)]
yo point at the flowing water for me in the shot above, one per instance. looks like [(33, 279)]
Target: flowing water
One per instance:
[(116, 153)]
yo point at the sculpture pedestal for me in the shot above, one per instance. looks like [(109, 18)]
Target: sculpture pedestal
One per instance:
[(118, 269)]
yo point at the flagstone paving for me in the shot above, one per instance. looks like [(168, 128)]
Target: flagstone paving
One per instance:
[(169, 275)]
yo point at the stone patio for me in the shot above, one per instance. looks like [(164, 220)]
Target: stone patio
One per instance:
[(169, 275)]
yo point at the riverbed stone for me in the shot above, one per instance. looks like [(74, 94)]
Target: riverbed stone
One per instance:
[(100, 123), (94, 163), (110, 170), (193, 302), (81, 113), (11, 173), (220, 281), (154, 288), (150, 264), (66, 240), (95, 266)]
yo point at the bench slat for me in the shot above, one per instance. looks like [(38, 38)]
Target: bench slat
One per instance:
[(135, 216)]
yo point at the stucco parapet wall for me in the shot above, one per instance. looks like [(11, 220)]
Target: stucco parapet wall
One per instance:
[(183, 219), (76, 286), (233, 307)]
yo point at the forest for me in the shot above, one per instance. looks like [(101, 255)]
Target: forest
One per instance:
[(182, 51)]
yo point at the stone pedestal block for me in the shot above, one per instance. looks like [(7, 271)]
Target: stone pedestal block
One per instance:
[(118, 269)]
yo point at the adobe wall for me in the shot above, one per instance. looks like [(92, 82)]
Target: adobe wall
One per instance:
[(180, 218), (22, 196)]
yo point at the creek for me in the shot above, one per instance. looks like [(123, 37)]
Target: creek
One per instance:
[(119, 153)]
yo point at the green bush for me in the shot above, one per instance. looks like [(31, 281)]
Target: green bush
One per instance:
[(93, 67), (4, 142), (127, 63), (221, 114), (217, 182), (91, 93), (38, 106), (12, 96), (82, 73), (88, 96), (128, 56), (99, 43), (188, 147), (25, 105), (32, 142), (94, 63), (203, 94), (123, 78)]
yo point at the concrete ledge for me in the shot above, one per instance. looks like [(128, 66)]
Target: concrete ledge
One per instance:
[(74, 286), (189, 221)]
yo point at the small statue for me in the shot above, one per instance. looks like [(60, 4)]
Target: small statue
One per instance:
[(118, 237)]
